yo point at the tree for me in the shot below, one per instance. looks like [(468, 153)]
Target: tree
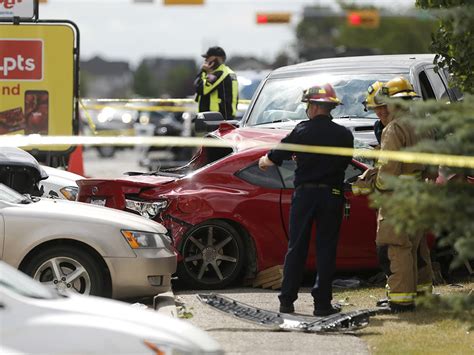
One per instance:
[(453, 41), (179, 81), (395, 35), (446, 210), (329, 35), (142, 82)]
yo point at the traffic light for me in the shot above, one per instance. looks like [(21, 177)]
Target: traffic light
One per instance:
[(363, 18), (183, 2), (273, 17)]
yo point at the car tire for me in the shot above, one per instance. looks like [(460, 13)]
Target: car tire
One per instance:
[(106, 151), (68, 269), (213, 256)]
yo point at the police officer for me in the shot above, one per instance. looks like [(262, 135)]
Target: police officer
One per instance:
[(216, 85), (318, 197), (398, 252)]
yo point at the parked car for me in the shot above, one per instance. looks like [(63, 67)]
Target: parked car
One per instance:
[(223, 214), (59, 183), (86, 249), (277, 102), (22, 172), (36, 319), (162, 124), (112, 120)]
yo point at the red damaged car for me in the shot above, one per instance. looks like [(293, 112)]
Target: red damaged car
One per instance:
[(227, 217)]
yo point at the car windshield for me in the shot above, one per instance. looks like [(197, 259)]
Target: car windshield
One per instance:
[(9, 195), (16, 281), (280, 99)]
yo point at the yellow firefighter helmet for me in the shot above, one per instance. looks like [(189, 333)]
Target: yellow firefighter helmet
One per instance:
[(369, 102)]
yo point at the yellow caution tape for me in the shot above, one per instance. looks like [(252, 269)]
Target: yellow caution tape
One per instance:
[(89, 118), (36, 141), (175, 101), (142, 108), (169, 108)]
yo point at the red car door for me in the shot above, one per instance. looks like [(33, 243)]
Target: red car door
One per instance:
[(356, 247)]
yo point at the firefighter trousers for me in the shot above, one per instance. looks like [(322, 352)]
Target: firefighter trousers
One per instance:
[(424, 283), (399, 254)]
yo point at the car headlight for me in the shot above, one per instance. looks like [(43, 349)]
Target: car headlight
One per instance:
[(70, 192), (146, 240), (172, 349), (146, 209)]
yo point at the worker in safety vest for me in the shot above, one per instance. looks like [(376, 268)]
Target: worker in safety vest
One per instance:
[(216, 85), (399, 253)]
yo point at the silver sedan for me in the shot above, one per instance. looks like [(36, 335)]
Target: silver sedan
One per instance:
[(84, 248)]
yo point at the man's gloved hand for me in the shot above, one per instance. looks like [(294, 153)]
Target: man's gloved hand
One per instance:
[(264, 163), (365, 183)]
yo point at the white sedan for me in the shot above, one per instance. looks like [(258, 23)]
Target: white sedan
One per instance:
[(60, 183), (36, 319), (84, 248)]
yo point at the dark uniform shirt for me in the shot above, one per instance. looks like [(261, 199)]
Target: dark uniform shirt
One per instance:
[(317, 168)]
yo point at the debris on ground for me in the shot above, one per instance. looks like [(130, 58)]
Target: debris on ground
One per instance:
[(339, 322), (270, 278), (346, 283)]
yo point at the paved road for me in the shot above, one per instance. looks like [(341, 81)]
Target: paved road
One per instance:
[(236, 336), (123, 161)]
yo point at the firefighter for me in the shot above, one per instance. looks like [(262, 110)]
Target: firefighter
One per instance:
[(216, 85), (399, 253), (318, 197), (380, 109)]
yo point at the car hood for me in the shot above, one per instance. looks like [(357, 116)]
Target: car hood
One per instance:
[(118, 317), (56, 209), (119, 311), (250, 137)]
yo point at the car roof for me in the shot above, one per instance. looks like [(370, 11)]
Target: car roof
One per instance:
[(398, 63)]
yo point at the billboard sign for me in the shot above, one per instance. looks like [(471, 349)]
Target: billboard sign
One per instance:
[(37, 79), (25, 9)]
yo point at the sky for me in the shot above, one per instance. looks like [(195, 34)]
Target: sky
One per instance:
[(127, 31)]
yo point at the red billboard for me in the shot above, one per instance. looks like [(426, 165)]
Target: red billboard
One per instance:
[(21, 59)]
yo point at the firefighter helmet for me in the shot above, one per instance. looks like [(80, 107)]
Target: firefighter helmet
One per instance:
[(399, 87), (369, 102), (324, 93)]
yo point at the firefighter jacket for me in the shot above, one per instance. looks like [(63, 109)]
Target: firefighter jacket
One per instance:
[(397, 135), (218, 91)]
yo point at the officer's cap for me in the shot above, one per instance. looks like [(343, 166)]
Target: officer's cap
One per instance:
[(214, 52)]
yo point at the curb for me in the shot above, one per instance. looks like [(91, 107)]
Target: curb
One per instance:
[(164, 303)]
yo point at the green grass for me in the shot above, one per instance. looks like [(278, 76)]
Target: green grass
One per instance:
[(426, 331)]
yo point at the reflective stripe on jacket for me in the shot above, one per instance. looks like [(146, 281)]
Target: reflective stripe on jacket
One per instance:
[(218, 91)]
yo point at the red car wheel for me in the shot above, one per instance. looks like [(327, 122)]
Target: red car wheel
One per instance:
[(213, 256)]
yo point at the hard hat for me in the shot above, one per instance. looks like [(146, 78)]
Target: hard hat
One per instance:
[(369, 102), (399, 87), (324, 93)]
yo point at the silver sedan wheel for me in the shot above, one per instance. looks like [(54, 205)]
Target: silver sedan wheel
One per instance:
[(64, 274)]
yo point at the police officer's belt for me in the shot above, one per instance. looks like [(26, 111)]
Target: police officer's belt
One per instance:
[(314, 184)]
